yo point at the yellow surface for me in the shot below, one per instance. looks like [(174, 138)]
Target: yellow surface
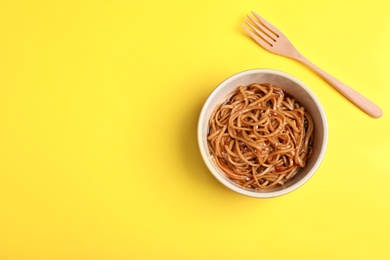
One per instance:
[(99, 102)]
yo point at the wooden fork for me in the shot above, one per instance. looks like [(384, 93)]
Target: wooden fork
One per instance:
[(273, 40)]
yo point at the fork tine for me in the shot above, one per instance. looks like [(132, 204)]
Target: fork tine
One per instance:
[(260, 40), (268, 25), (256, 33), (261, 29)]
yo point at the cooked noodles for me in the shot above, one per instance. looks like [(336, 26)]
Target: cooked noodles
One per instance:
[(260, 137)]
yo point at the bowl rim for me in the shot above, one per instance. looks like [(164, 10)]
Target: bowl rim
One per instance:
[(206, 156)]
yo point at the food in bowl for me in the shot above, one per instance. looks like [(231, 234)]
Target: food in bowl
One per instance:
[(292, 88), (260, 136)]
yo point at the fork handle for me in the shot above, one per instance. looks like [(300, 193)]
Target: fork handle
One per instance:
[(355, 97)]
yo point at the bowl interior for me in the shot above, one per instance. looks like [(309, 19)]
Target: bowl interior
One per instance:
[(293, 87)]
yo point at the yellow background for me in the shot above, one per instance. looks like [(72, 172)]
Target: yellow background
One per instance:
[(99, 102)]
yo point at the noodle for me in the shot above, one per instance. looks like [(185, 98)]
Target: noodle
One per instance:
[(260, 137)]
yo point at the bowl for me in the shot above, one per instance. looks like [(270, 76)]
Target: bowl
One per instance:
[(292, 86)]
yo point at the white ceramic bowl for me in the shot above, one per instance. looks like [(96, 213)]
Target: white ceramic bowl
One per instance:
[(292, 86)]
